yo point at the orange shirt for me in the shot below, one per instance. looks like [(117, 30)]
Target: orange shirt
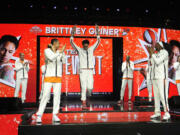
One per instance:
[(52, 79), (177, 81)]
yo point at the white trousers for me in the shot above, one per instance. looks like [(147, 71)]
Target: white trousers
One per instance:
[(149, 87), (123, 86), (87, 82), (178, 88), (45, 97), (20, 81), (160, 95)]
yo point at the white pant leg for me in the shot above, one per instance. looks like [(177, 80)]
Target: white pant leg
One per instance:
[(83, 81), (156, 97), (162, 91), (17, 88), (24, 88), (167, 93), (44, 100), (56, 97), (149, 87), (123, 86), (130, 82), (178, 88), (90, 81)]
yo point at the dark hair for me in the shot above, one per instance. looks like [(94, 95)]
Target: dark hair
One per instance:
[(54, 40), (174, 43), (169, 46), (9, 38), (49, 46), (85, 42)]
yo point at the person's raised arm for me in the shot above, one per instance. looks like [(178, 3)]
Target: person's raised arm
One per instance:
[(160, 59), (18, 66), (98, 38), (123, 67), (51, 56), (72, 39), (27, 66), (132, 65)]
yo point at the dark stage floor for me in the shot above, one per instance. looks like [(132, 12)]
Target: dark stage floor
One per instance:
[(102, 117)]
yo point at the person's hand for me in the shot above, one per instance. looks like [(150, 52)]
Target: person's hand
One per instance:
[(150, 50), (97, 30), (62, 49), (49, 45), (26, 63), (73, 30)]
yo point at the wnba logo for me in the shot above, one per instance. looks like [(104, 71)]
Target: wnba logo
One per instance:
[(36, 30)]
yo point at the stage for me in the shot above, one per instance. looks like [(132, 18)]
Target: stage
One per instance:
[(101, 117)]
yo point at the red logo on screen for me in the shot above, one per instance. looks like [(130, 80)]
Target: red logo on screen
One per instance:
[(36, 30)]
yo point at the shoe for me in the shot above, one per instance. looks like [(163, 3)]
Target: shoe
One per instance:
[(84, 105), (166, 116), (150, 99), (129, 101), (38, 119), (155, 116), (120, 102), (23, 101), (55, 118)]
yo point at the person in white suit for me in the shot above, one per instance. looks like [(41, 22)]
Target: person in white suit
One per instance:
[(22, 69), (160, 77), (86, 64), (177, 76), (149, 78), (127, 69), (54, 60), (43, 70)]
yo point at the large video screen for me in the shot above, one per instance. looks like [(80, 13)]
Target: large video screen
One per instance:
[(103, 78), (34, 38)]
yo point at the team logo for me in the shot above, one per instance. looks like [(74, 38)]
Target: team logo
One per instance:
[(36, 30)]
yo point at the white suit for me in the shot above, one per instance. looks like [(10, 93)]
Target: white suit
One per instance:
[(177, 77), (43, 69), (127, 78), (21, 78), (86, 67), (52, 78), (149, 77), (160, 76)]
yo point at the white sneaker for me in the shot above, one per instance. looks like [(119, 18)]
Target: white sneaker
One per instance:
[(155, 116), (38, 119), (166, 116), (55, 118), (23, 101), (150, 99)]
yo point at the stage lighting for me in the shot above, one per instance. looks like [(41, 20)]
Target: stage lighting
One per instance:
[(54, 7), (97, 9), (85, 9), (118, 10), (75, 8), (66, 8), (107, 9), (147, 11), (31, 6)]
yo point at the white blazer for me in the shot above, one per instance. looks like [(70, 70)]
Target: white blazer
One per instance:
[(54, 61), (177, 68), (21, 70), (127, 70), (85, 56), (160, 64)]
